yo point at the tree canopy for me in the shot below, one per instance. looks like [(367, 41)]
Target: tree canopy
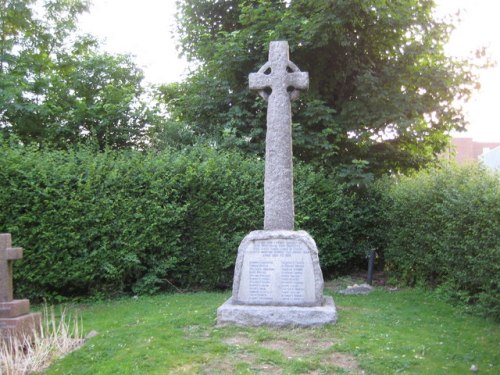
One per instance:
[(383, 94), (57, 88)]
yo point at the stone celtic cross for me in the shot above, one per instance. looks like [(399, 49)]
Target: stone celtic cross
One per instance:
[(279, 81), (7, 255)]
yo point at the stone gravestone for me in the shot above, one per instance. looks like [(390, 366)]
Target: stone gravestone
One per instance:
[(278, 279), (15, 317)]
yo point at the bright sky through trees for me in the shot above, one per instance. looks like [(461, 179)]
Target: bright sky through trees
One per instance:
[(479, 27), (144, 28)]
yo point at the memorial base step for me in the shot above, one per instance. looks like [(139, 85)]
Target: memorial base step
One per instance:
[(20, 327), (14, 308), (277, 316)]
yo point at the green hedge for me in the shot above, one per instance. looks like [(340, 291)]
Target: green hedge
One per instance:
[(443, 231), (141, 222), (114, 222)]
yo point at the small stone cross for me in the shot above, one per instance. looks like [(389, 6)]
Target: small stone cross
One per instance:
[(7, 255), (279, 81)]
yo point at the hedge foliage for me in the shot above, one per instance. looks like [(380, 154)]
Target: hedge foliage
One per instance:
[(140, 222), (443, 231)]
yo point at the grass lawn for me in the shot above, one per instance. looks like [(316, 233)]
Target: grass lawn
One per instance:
[(407, 332)]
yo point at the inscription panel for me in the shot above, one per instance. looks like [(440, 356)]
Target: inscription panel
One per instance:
[(277, 272)]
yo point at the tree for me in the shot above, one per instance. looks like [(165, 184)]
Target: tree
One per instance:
[(29, 45), (97, 98), (383, 94), (57, 88)]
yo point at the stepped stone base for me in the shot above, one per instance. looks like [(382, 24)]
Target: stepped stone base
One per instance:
[(277, 316), (20, 326), (14, 308)]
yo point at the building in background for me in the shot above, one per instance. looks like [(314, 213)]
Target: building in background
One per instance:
[(491, 158), (466, 150)]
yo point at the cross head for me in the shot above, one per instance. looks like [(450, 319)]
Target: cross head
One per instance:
[(279, 76)]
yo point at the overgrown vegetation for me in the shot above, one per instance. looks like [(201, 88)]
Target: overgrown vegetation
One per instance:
[(58, 89), (407, 332), (108, 223), (443, 231), (382, 90), (58, 335), (113, 222)]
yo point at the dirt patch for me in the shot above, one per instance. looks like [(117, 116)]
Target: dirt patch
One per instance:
[(218, 368), (305, 336), (314, 345), (237, 341), (306, 347), (266, 369), (227, 365), (284, 347), (344, 361), (302, 344)]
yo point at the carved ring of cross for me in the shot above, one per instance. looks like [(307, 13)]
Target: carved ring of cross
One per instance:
[(266, 70)]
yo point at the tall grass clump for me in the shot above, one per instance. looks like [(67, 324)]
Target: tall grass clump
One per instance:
[(56, 337)]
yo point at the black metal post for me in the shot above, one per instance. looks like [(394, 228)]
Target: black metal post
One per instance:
[(371, 262)]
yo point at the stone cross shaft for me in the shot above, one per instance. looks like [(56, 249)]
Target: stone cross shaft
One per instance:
[(7, 255), (279, 81)]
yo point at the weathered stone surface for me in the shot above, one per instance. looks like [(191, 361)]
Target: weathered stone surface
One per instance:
[(7, 255), (278, 279), (357, 289), (278, 268), (14, 308), (278, 282), (15, 319), (20, 327), (277, 316), (285, 80)]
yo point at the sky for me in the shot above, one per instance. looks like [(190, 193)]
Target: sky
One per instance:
[(144, 28)]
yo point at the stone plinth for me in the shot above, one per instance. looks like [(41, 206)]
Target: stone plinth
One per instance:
[(277, 282), (279, 267), (20, 327), (17, 321), (277, 316), (14, 308)]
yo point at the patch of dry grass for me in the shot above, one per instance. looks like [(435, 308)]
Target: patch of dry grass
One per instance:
[(34, 353)]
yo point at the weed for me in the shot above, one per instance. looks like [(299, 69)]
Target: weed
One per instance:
[(33, 353)]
